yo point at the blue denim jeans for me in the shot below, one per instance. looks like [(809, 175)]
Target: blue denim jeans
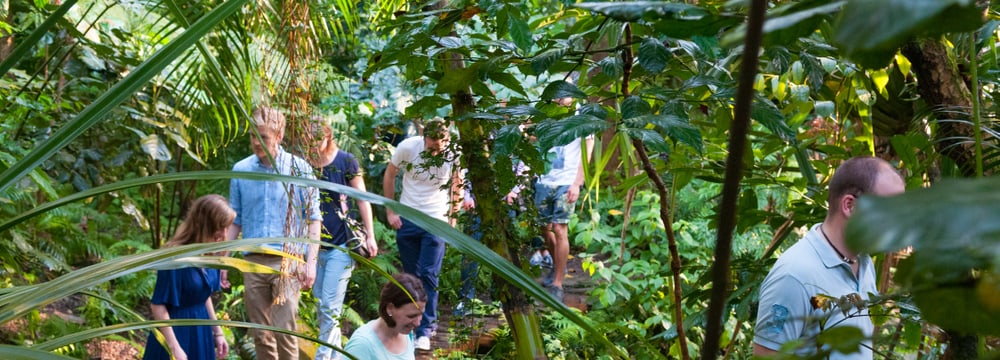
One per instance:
[(421, 253), (333, 272)]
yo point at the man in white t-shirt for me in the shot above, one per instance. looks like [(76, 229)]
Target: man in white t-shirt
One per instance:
[(431, 183), (556, 193)]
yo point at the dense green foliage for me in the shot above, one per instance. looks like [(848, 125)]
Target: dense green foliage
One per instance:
[(108, 108)]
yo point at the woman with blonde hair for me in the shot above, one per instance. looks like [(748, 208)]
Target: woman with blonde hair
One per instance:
[(185, 293)]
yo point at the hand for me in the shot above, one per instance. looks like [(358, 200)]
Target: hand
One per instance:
[(394, 220), (573, 193), (224, 279), (179, 354), (511, 198), (307, 274), (221, 347), (371, 245)]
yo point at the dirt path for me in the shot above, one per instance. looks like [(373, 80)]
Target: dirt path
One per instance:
[(474, 333)]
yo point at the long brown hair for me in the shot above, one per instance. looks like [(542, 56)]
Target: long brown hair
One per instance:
[(207, 215)]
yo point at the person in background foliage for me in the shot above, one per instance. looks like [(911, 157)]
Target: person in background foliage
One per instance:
[(470, 268), (821, 264), (335, 265), (556, 192), (185, 293), (434, 186), (390, 336), (266, 209)]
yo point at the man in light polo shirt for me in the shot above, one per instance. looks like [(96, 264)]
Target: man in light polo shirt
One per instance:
[(822, 264)]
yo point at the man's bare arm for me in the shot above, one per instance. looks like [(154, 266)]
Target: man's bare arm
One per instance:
[(389, 191)]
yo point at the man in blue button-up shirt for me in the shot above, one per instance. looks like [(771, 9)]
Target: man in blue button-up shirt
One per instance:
[(275, 209)]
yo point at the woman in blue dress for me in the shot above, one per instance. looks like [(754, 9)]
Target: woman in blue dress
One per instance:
[(186, 293)]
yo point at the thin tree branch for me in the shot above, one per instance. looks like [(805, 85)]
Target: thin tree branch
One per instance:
[(661, 189), (734, 174)]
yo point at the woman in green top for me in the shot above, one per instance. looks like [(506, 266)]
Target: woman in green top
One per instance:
[(390, 336)]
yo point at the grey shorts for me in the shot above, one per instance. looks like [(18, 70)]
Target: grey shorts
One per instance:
[(552, 205)]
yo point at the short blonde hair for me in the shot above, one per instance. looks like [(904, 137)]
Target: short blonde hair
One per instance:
[(269, 118)]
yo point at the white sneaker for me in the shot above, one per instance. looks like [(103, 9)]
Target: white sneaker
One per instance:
[(423, 343), (536, 259)]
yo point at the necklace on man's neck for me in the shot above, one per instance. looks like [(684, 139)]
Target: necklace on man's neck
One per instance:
[(842, 257)]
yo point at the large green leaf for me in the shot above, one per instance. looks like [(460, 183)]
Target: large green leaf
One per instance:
[(19, 301), (593, 109), (507, 138), (611, 66), (814, 71), (844, 339), (960, 307), (427, 106), (12, 352), (914, 219), (650, 138), (766, 113), (950, 270), (788, 22), (508, 81), (636, 10), (449, 42), (687, 27), (518, 110), (634, 106), (797, 16), (653, 55), (542, 62), (675, 127), (85, 335), (873, 28), (97, 110), (562, 89), (521, 33), (552, 132)]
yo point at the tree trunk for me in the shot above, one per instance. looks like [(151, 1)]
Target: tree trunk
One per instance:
[(494, 223), (943, 88), (731, 185)]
